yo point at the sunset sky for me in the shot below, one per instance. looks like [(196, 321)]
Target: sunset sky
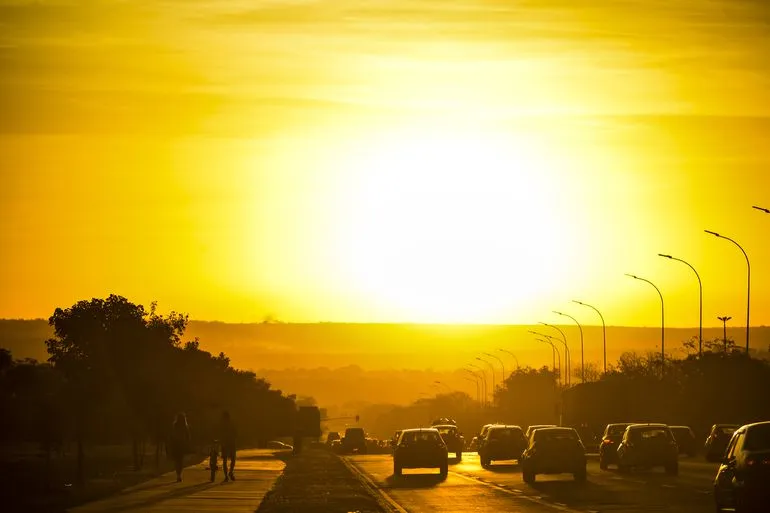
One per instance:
[(477, 161)]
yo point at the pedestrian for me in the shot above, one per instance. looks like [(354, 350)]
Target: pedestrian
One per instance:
[(213, 459), (179, 443), (227, 436)]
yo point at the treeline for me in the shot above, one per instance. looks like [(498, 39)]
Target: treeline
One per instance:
[(724, 385), (118, 374)]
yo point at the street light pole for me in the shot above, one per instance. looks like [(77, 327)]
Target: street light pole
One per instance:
[(724, 330), (662, 324), (566, 347), (582, 354), (483, 378), (763, 209), (748, 283), (556, 356), (443, 384), (499, 360), (476, 381), (700, 302), (566, 352), (604, 330), (492, 368), (513, 355)]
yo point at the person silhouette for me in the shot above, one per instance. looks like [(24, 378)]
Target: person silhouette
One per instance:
[(180, 443), (227, 438)]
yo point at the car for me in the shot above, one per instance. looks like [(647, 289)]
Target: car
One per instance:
[(532, 428), (608, 448), (482, 434), (420, 448), (554, 450), (741, 483), (648, 446), (685, 440), (277, 445), (452, 438), (502, 442), (354, 441), (332, 436), (717, 441)]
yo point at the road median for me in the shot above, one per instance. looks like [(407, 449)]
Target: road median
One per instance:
[(318, 480)]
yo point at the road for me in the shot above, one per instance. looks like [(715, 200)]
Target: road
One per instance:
[(500, 488)]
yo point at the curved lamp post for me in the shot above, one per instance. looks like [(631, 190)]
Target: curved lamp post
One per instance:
[(604, 330), (568, 376), (475, 379), (492, 368), (700, 301), (748, 282), (513, 355), (662, 323), (582, 361), (556, 356), (502, 365), (483, 378), (566, 351)]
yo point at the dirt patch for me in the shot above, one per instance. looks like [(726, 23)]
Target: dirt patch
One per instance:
[(317, 480)]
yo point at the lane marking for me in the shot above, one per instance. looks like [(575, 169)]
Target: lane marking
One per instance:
[(518, 494), (385, 500)]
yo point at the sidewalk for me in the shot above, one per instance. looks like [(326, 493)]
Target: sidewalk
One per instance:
[(255, 472)]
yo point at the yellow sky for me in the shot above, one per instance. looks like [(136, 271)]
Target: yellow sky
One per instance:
[(461, 161)]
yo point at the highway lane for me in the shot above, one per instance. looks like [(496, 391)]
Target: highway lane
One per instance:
[(500, 488)]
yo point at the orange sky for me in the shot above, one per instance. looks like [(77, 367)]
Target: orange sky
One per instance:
[(463, 161)]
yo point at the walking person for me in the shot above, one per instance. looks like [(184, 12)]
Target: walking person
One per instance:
[(179, 443), (227, 436)]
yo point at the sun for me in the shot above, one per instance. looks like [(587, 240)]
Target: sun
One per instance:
[(453, 227)]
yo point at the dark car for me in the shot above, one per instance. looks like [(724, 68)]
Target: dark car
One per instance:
[(685, 440), (482, 435), (354, 441), (554, 450), (332, 436), (533, 427), (648, 446), (502, 442), (717, 441), (420, 448), (743, 480), (453, 439), (608, 447)]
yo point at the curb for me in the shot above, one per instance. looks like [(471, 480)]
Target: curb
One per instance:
[(385, 501)]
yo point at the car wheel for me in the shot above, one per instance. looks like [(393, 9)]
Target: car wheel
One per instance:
[(580, 476), (459, 456), (397, 470), (528, 477), (672, 469), (602, 464), (485, 462), (444, 470)]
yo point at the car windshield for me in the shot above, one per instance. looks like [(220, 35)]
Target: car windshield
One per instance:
[(447, 430), (758, 438), (419, 436), (653, 434), (725, 431), (681, 432)]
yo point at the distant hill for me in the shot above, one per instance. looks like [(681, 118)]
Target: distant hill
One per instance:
[(389, 346)]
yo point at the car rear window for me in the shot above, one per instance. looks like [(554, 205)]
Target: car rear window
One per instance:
[(504, 433), (725, 430), (683, 432), (555, 435), (616, 430), (654, 434), (758, 438), (446, 430), (419, 436)]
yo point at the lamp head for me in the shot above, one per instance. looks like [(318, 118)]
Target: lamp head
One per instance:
[(665, 256), (715, 234), (557, 313)]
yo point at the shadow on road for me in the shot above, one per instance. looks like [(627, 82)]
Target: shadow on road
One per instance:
[(155, 499), (410, 481), (504, 468)]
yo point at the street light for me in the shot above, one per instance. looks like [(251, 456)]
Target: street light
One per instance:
[(700, 303), (569, 355), (499, 360), (492, 368), (748, 282), (566, 351), (478, 384), (475, 380), (442, 384), (582, 361), (604, 329), (483, 378), (763, 209), (724, 328), (513, 355), (662, 323), (556, 356)]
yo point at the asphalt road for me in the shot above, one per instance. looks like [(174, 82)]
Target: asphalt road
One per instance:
[(500, 488)]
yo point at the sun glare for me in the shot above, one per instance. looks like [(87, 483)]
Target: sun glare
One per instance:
[(454, 227)]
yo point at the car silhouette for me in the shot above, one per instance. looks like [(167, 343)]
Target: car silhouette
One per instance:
[(743, 477), (648, 446), (502, 442), (608, 448), (554, 450), (453, 439), (717, 441), (420, 448), (685, 439)]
